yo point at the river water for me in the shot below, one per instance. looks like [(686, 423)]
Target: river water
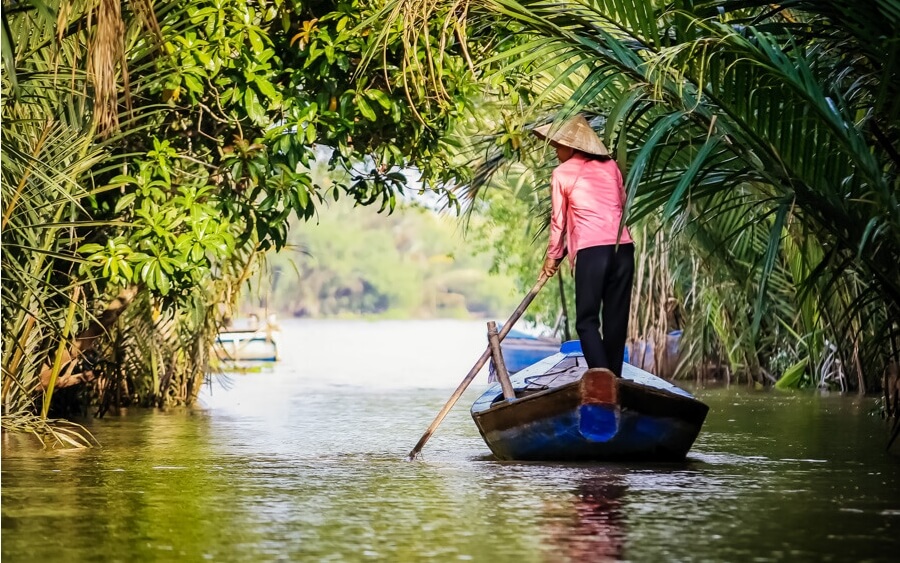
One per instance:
[(305, 461)]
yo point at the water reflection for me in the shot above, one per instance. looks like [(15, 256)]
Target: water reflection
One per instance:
[(597, 529)]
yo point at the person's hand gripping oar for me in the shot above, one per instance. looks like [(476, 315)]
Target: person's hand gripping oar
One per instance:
[(479, 364)]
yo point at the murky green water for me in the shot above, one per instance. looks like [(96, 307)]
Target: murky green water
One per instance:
[(306, 463)]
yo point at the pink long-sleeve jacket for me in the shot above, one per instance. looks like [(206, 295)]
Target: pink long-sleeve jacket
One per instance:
[(588, 200)]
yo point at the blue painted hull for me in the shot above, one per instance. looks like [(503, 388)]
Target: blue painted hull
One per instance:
[(565, 413)]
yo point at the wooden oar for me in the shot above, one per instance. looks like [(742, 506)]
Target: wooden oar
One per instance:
[(477, 367)]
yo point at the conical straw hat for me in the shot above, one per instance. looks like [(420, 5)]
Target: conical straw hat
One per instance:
[(576, 133)]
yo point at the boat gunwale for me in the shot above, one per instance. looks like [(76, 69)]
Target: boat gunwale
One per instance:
[(536, 395), (634, 385)]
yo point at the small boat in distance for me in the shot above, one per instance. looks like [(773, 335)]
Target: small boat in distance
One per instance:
[(248, 340), (564, 412), (521, 349)]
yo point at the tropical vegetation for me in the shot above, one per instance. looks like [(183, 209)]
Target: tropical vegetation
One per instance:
[(354, 262), (759, 142), (152, 152)]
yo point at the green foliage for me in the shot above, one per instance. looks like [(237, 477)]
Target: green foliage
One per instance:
[(155, 150), (763, 137), (41, 195), (792, 376), (177, 229), (251, 86)]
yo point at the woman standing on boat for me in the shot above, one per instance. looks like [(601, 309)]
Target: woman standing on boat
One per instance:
[(588, 201)]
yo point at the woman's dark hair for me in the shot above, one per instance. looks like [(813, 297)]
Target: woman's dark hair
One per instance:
[(589, 156)]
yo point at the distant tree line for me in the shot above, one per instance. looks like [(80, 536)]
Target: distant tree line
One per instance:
[(414, 263)]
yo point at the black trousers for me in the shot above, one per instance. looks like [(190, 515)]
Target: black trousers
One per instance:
[(603, 276)]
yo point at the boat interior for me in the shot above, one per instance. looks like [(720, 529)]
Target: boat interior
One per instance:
[(568, 370)]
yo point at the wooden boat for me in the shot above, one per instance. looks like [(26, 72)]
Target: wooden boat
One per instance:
[(248, 340), (565, 412), (246, 346)]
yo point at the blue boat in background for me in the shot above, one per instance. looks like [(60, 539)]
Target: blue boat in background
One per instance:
[(565, 412), (521, 350)]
